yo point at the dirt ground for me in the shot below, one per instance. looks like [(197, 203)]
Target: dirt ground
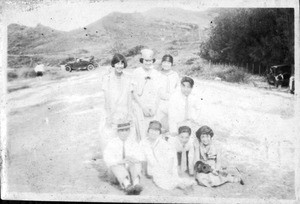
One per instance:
[(53, 138)]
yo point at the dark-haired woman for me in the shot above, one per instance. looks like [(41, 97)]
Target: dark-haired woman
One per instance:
[(116, 86), (206, 153), (171, 83)]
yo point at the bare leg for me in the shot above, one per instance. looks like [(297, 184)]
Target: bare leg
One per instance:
[(135, 173), (122, 175)]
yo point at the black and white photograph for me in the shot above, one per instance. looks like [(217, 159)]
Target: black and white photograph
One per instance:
[(165, 101)]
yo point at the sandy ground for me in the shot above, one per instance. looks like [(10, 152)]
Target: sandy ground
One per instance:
[(53, 138)]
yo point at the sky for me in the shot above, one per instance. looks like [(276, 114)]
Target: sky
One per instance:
[(68, 15)]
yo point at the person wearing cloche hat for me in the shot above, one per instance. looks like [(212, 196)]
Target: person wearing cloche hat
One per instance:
[(123, 157), (147, 86), (171, 83)]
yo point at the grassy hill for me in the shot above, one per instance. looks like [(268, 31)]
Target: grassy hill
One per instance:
[(116, 32)]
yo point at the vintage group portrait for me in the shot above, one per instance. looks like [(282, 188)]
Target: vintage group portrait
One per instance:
[(150, 101)]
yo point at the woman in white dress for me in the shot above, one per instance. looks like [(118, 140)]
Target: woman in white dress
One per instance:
[(171, 83), (116, 86), (147, 86)]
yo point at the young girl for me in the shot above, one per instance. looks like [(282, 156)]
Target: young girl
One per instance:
[(161, 160), (171, 84), (206, 153), (116, 86)]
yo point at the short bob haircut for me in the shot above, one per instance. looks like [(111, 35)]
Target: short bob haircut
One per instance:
[(167, 58), (186, 129), (187, 79), (204, 130), (118, 58), (155, 125)]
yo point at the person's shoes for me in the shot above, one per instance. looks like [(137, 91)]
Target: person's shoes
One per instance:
[(130, 190), (134, 190), (138, 189), (241, 181)]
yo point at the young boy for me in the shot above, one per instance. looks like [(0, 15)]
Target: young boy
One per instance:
[(123, 158), (183, 143), (207, 168), (161, 160), (183, 105)]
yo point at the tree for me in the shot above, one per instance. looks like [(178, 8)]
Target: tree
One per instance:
[(264, 35)]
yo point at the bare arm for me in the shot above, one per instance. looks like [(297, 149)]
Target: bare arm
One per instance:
[(138, 101)]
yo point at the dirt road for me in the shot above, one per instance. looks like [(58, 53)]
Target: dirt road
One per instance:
[(53, 138)]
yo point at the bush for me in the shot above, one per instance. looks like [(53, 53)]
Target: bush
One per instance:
[(105, 61), (65, 61), (194, 70), (236, 76), (230, 74), (190, 61), (134, 51), (11, 76)]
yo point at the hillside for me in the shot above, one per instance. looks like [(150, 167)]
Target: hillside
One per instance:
[(200, 18), (116, 31), (23, 39)]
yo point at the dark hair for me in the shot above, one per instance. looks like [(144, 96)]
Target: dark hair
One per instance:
[(184, 129), (187, 79), (155, 125), (167, 58), (118, 58), (142, 60), (204, 130)]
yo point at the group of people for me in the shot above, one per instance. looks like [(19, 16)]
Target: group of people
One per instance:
[(149, 129)]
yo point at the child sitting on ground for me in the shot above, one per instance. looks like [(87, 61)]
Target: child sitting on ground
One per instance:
[(161, 161), (207, 166), (183, 143), (123, 158)]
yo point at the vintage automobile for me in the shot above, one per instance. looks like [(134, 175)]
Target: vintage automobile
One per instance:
[(279, 75), (81, 64)]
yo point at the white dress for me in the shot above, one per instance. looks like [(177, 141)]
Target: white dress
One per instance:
[(171, 84), (162, 164), (119, 90), (147, 85)]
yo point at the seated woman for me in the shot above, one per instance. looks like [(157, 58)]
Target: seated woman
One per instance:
[(183, 143), (123, 158), (207, 161), (161, 161)]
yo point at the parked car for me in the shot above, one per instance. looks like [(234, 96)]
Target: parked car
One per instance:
[(279, 75), (81, 64), (292, 85)]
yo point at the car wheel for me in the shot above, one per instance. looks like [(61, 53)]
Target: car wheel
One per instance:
[(68, 69), (90, 67)]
